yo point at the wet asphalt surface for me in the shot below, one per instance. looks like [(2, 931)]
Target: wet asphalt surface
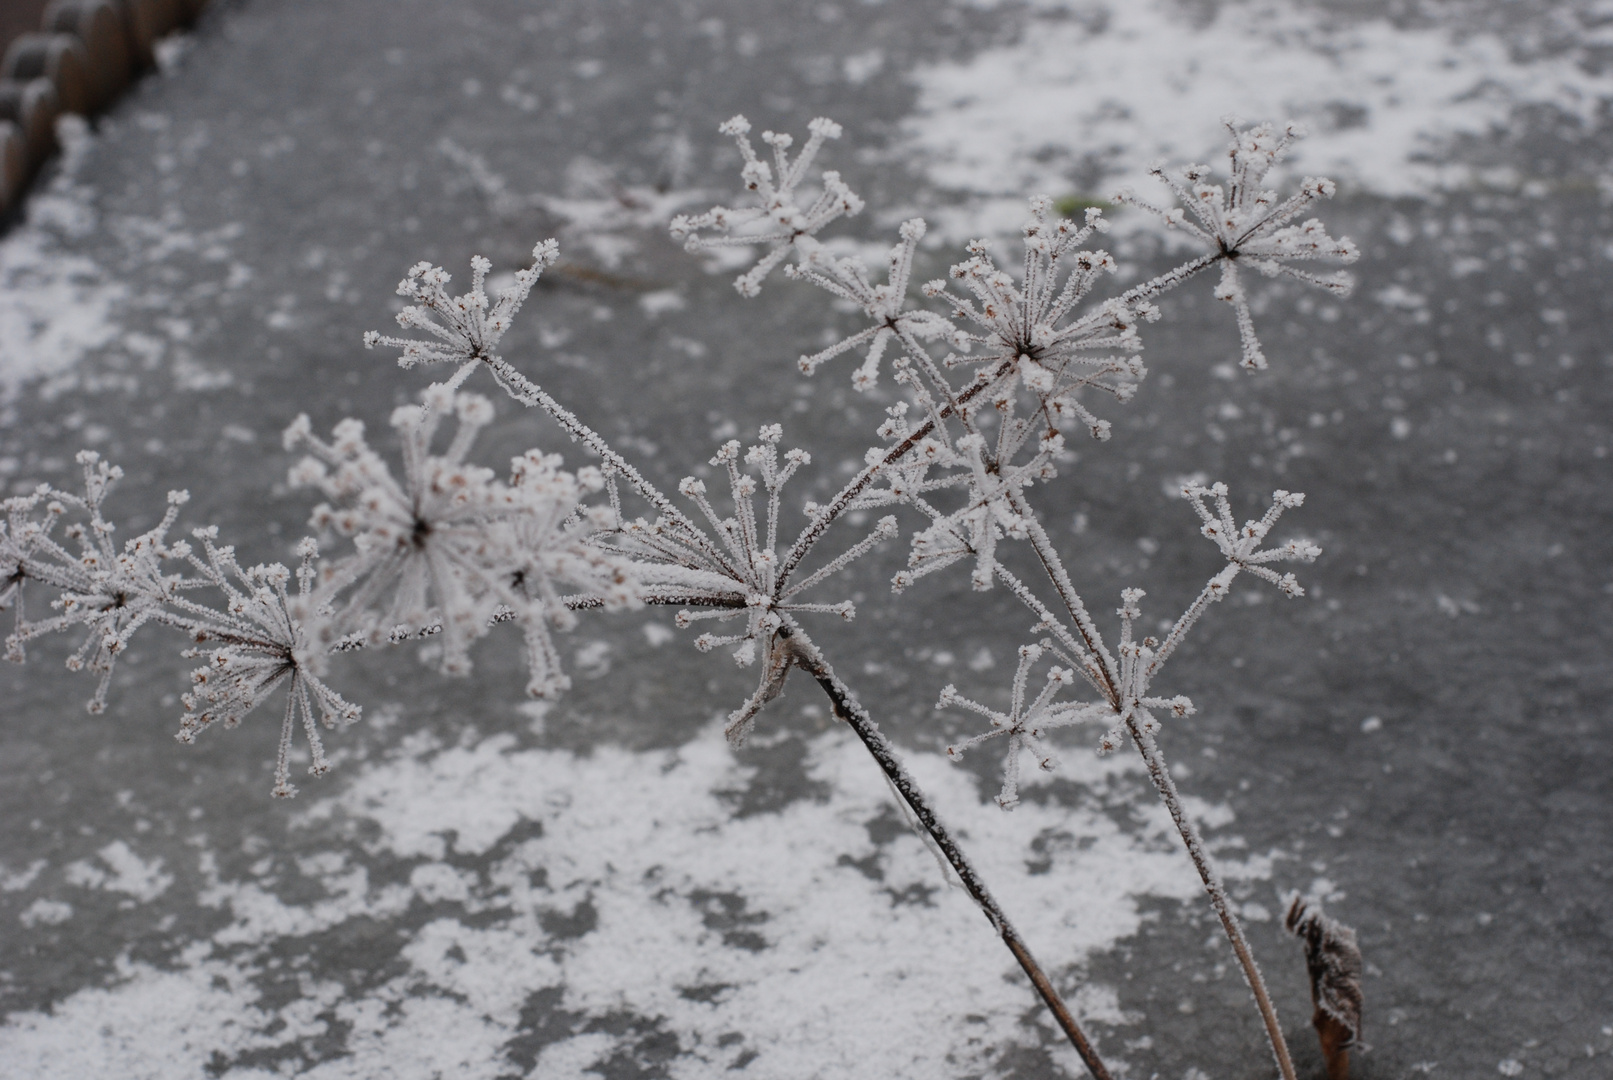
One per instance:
[(1454, 449)]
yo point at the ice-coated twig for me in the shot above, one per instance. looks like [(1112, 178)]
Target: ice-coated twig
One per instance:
[(1246, 225), (1165, 785), (1130, 708)]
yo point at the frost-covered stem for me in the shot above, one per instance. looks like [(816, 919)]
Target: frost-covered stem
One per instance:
[(1090, 664), (1049, 558), (847, 708), (1169, 279), (1166, 787), (528, 393), (1179, 629), (854, 487)]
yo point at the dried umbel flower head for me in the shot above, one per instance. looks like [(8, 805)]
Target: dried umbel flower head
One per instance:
[(735, 571), (467, 328), (432, 550), (885, 305), (253, 645), (1033, 330), (1241, 546), (777, 219), (448, 549), (1246, 225), (105, 590), (1026, 723)]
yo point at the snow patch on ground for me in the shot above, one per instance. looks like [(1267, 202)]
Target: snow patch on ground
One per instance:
[(1101, 90), (76, 282), (121, 871), (55, 307), (547, 912)]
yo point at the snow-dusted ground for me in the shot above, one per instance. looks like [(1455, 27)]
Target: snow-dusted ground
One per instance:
[(610, 890), (619, 884), (1103, 90)]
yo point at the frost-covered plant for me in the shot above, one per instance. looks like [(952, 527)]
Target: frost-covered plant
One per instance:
[(106, 592), (999, 363), (1247, 225), (253, 644)]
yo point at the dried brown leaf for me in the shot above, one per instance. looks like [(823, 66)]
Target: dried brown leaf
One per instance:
[(1334, 961)]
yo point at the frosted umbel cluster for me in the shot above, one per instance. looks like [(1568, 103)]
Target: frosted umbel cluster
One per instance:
[(1244, 224), (999, 362)]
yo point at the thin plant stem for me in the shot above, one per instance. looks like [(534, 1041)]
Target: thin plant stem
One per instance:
[(1060, 579), (528, 393), (845, 705), (836, 506), (1166, 787)]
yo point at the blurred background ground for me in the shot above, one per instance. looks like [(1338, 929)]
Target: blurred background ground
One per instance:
[(1423, 739)]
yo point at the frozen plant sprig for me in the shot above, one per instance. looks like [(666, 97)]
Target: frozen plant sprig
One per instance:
[(432, 549), (733, 571), (556, 547), (251, 639), (255, 643), (777, 220), (106, 591), (1026, 723), (726, 572), (449, 549), (885, 305), (466, 328), (991, 512), (1036, 337), (1032, 330), (1126, 676), (1036, 345), (1245, 224), (1241, 546)]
